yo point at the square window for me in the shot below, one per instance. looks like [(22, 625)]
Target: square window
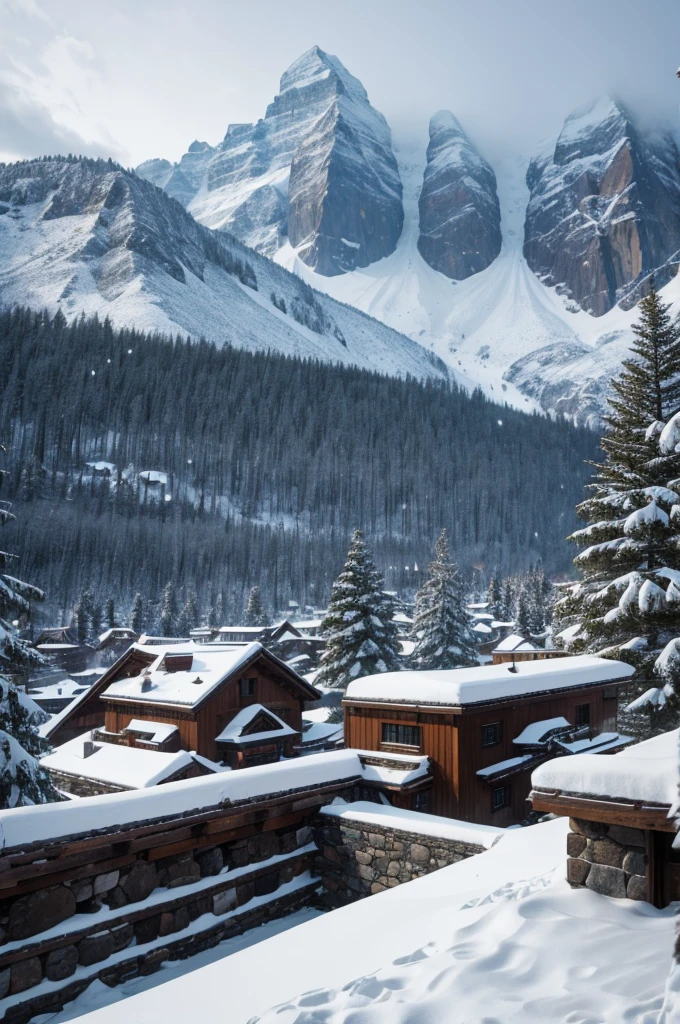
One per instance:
[(401, 735), (491, 734), (583, 714), (247, 686), (500, 798)]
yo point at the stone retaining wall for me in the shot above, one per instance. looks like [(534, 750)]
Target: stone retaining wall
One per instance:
[(357, 860), (609, 859)]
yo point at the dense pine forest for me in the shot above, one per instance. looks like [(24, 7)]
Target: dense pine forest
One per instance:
[(271, 463)]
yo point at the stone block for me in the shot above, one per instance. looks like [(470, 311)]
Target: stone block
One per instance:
[(82, 890), (589, 829), (304, 835), (635, 862), (140, 881), (105, 882), (362, 858), (39, 911), (397, 846), (376, 840), (167, 923), (380, 864), (245, 893), (607, 880), (224, 901), (266, 883), (287, 873), (627, 836), (94, 948), (203, 905), (354, 884), (263, 846), (393, 868), (4, 981), (116, 898), (576, 844), (238, 856), (184, 871), (182, 919), (121, 937), (365, 871), (376, 887), (61, 963), (604, 851), (577, 871), (287, 842), (391, 882), (419, 854), (636, 889), (146, 930), (25, 974), (330, 883), (211, 862)]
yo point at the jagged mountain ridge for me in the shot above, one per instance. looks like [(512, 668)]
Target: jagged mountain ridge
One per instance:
[(318, 169), (604, 209), (460, 217), (87, 236)]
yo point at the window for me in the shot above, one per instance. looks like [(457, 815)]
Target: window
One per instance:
[(500, 798), (403, 735), (610, 692), (491, 734), (421, 801), (582, 714), (247, 686)]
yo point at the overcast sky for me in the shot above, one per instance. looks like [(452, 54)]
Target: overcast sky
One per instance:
[(140, 78)]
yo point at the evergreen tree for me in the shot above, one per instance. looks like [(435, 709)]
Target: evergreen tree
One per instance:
[(188, 617), (255, 614), (137, 615), (495, 597), (624, 605), (443, 637), (95, 620), (82, 620), (361, 636), (22, 780), (110, 614), (168, 613)]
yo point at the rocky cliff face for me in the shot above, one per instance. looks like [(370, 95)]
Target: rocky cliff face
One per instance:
[(460, 219), (604, 209), (318, 169), (88, 236)]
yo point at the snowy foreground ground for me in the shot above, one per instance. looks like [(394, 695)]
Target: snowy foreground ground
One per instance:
[(497, 939)]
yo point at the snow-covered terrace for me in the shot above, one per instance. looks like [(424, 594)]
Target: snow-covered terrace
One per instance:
[(463, 686), (111, 764)]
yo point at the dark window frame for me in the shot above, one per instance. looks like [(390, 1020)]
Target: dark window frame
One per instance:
[(582, 715), (500, 798), (246, 686), (396, 734), (497, 728)]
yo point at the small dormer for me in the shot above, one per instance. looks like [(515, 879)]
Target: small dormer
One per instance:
[(177, 662)]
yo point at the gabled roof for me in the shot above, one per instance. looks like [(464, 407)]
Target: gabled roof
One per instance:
[(117, 765), (514, 642), (463, 686), (254, 724)]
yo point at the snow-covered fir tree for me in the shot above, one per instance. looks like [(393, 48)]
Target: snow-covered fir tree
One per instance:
[(255, 612), (22, 780), (362, 638), (137, 614), (168, 613), (110, 614), (188, 616), (627, 602), (441, 629)]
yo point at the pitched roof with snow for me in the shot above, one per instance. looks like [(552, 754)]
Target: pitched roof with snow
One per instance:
[(514, 642), (461, 686), (646, 772), (159, 731), (113, 764), (235, 731)]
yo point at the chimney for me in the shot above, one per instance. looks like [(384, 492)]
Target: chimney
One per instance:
[(88, 748), (513, 667), (146, 684)]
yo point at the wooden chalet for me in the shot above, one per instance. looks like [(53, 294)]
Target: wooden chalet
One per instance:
[(486, 728), (515, 648), (186, 695), (620, 812)]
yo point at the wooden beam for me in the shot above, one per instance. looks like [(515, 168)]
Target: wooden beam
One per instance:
[(633, 814)]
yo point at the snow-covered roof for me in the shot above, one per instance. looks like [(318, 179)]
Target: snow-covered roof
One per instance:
[(154, 476), (115, 764), (601, 743), (647, 771), (535, 732), (504, 766), (514, 642), (460, 686), (322, 732), (211, 664), (414, 821), (308, 624), (102, 466), (119, 632), (233, 730), (481, 627), (160, 731), (66, 688), (253, 630), (22, 825)]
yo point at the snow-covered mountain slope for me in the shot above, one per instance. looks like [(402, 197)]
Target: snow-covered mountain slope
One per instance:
[(604, 212), (87, 236), (502, 328), (460, 219), (318, 168)]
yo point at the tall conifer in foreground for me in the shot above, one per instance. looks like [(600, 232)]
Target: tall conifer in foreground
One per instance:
[(362, 638), (22, 780), (442, 632), (627, 602)]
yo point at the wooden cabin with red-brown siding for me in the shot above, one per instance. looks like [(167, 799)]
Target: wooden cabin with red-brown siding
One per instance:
[(486, 728)]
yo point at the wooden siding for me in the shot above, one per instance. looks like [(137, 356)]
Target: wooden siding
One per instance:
[(453, 739)]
